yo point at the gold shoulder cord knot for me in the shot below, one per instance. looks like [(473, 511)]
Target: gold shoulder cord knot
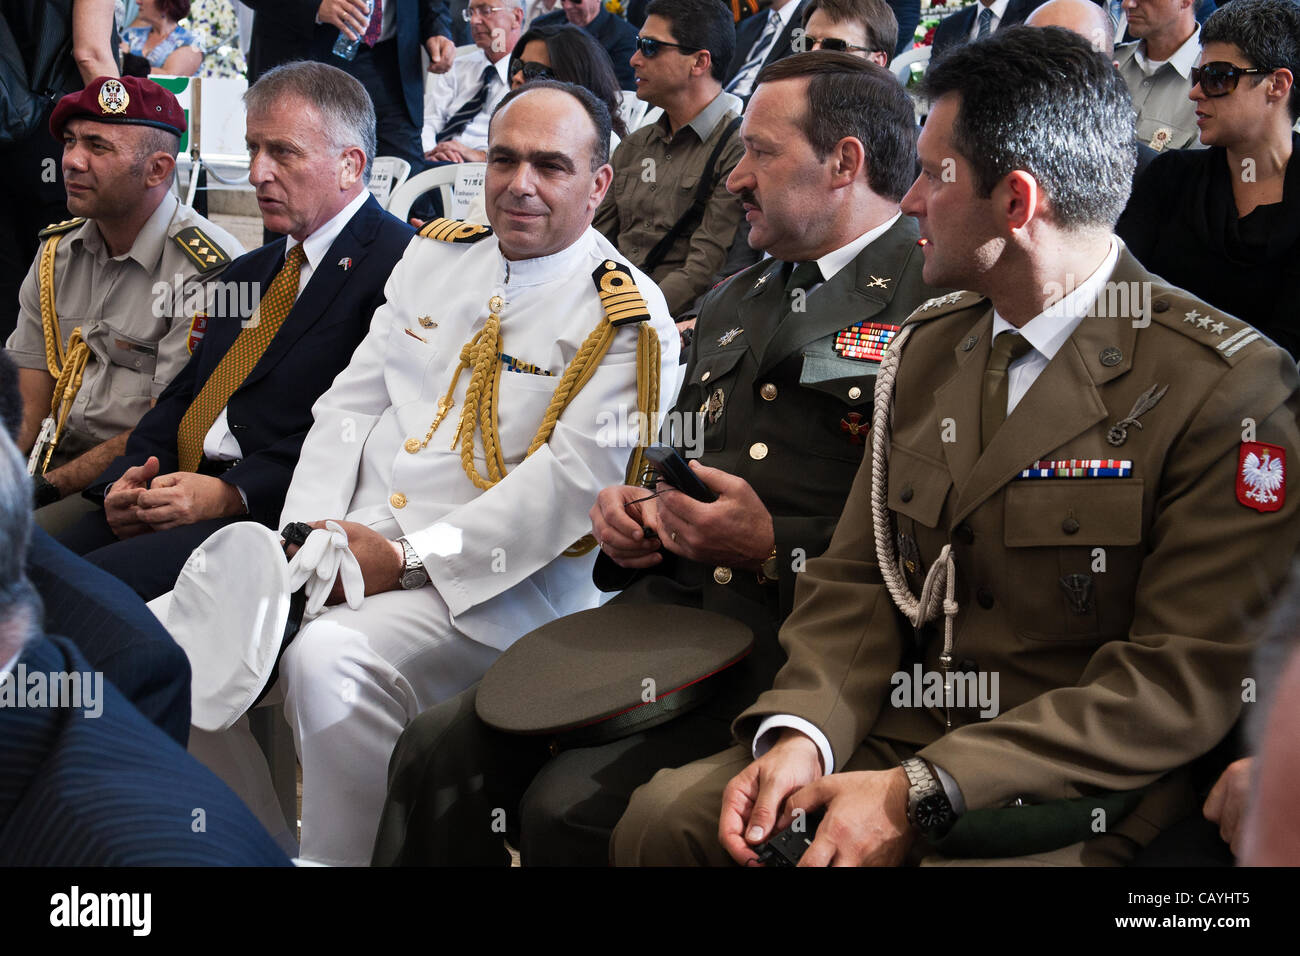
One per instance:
[(482, 356)]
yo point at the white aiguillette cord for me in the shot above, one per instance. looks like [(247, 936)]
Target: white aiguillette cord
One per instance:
[(323, 557), (942, 575)]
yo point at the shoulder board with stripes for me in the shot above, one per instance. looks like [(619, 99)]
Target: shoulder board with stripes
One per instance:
[(58, 228), (1226, 335), (201, 249), (454, 230), (619, 295)]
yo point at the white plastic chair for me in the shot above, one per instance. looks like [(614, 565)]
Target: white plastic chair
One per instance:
[(901, 66), (632, 109), (386, 174), (441, 178)]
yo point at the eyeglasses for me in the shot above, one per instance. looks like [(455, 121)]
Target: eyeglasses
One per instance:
[(531, 69), (1220, 78), (469, 13), (833, 45), (650, 47)]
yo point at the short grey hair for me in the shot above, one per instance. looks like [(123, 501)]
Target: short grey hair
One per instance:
[(21, 611), (343, 103)]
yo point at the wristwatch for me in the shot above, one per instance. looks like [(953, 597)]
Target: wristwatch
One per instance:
[(413, 574), (44, 491), (929, 810), (769, 570)]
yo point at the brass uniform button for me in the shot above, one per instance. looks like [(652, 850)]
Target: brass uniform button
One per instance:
[(758, 451), (704, 377), (855, 392), (768, 391), (412, 445), (397, 499), (722, 575)]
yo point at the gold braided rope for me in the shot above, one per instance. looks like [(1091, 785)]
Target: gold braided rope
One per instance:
[(482, 356), (67, 368)]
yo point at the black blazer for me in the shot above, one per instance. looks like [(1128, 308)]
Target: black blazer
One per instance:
[(270, 412), (955, 30), (615, 34), (285, 30), (750, 29), (113, 790)]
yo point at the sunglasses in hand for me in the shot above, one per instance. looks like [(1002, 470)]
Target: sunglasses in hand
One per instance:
[(1220, 78)]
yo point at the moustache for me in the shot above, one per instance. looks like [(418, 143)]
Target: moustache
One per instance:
[(747, 196)]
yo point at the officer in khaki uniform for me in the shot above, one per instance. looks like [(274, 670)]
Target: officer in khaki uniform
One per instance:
[(130, 298), (1114, 503), (777, 395)]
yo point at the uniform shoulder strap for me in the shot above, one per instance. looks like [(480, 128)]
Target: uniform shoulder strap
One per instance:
[(59, 228), (200, 248), (454, 230)]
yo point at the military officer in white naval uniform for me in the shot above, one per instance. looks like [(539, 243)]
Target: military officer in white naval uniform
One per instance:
[(455, 571)]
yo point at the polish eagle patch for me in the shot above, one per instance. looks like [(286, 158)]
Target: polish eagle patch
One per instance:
[(1261, 476)]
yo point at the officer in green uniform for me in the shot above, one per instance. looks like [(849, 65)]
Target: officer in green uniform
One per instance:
[(107, 308), (777, 405), (1037, 609)]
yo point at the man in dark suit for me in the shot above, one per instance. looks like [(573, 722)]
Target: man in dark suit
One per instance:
[(387, 61), (223, 440), (85, 779), (762, 39), (615, 34), (108, 622), (979, 20), (788, 389)]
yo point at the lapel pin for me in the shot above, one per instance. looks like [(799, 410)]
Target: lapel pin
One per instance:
[(426, 321), (726, 338), (346, 263), (878, 283)]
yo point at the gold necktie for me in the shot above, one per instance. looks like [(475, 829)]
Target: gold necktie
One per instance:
[(235, 365), (1007, 347)]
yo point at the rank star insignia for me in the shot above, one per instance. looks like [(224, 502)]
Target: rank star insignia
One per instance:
[(939, 302), (1203, 322), (852, 423), (1191, 316), (1218, 328), (113, 97), (1261, 476), (878, 283), (727, 337)]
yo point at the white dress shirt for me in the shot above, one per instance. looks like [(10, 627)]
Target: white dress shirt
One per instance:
[(219, 443), (449, 90), (1046, 332)]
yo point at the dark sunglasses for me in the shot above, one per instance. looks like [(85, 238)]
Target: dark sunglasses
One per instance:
[(833, 44), (1219, 78), (650, 47), (531, 70)]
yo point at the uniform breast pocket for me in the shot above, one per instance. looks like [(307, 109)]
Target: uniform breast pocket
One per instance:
[(406, 365), (840, 392), (521, 406), (132, 360), (1073, 550), (711, 382)]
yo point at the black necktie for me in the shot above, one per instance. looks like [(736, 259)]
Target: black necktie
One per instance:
[(470, 108), (1007, 347)]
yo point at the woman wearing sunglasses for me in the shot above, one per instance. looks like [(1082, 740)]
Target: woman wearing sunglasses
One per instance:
[(1224, 222), (568, 53)]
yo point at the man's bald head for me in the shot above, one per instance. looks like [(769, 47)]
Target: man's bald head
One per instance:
[(1083, 17)]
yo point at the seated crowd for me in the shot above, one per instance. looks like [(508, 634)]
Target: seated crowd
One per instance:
[(983, 501)]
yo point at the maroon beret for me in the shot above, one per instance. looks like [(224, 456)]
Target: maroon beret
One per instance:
[(131, 99)]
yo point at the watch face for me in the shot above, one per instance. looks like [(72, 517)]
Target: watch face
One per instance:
[(933, 811), (414, 579)]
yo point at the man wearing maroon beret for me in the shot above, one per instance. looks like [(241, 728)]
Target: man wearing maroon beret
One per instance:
[(107, 312)]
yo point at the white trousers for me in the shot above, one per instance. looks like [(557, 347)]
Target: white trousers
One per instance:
[(352, 680)]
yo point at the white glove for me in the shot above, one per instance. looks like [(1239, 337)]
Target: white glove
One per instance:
[(323, 557)]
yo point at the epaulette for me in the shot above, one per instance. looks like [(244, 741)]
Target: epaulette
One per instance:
[(454, 230), (58, 228), (619, 296), (943, 305), (200, 248), (1229, 338)]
